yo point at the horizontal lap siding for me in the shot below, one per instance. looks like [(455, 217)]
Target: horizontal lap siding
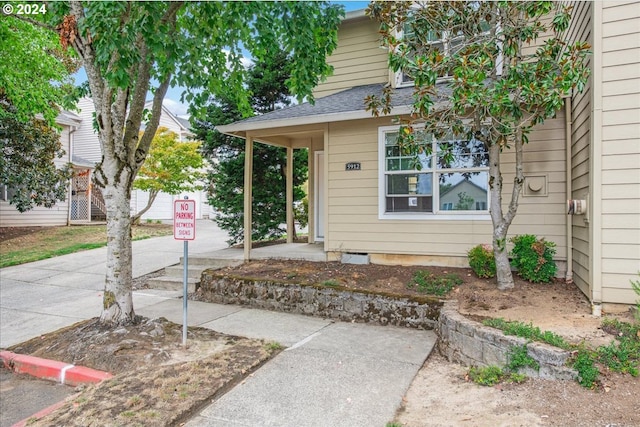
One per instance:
[(39, 216), (358, 60), (620, 150), (353, 198), (85, 139), (581, 30)]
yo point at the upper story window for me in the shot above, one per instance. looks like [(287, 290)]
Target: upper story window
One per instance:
[(445, 42), (448, 176)]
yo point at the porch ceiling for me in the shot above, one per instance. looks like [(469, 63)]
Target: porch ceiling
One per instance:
[(290, 136)]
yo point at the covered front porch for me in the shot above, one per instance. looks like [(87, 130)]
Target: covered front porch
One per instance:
[(291, 138)]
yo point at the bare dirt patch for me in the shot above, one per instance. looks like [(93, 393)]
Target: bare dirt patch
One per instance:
[(157, 382)]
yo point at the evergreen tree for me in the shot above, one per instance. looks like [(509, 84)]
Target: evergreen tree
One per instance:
[(266, 82)]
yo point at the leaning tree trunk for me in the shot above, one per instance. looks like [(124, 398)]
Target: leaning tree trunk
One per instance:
[(501, 221), (118, 288), (152, 198), (500, 227)]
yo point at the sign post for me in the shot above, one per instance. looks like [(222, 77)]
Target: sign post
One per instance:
[(184, 228)]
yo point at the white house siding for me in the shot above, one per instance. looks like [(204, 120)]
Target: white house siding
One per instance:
[(85, 139), (354, 226), (620, 149), (358, 60), (39, 216), (581, 30)]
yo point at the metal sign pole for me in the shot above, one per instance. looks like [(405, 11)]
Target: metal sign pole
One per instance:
[(185, 290)]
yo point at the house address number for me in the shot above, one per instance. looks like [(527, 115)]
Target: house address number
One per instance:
[(353, 166)]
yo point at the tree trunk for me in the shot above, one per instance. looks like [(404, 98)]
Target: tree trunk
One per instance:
[(152, 198), (118, 287), (500, 226)]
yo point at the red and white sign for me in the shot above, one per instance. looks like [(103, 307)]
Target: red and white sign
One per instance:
[(184, 219)]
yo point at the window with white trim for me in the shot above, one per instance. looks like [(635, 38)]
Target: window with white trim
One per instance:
[(448, 176), (445, 42)]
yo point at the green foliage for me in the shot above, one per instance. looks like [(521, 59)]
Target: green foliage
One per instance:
[(431, 284), (27, 164), (622, 355), (587, 371), (528, 331), (519, 358), (482, 261), (35, 72), (330, 282), (226, 154), (171, 167), (487, 376), (533, 258)]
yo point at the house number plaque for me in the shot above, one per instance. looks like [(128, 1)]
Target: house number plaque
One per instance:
[(352, 166)]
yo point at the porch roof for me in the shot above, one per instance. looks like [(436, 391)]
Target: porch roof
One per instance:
[(345, 105)]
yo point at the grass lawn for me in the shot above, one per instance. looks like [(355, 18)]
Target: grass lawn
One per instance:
[(19, 245)]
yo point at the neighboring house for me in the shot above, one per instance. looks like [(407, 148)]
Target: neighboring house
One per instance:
[(62, 213), (366, 198), (87, 146)]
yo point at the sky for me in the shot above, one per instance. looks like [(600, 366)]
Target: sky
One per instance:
[(172, 99)]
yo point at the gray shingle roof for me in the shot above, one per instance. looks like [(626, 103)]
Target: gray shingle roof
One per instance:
[(348, 100)]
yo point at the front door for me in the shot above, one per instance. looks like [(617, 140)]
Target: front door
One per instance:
[(319, 196)]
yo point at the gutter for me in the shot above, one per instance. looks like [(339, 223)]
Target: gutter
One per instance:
[(240, 129)]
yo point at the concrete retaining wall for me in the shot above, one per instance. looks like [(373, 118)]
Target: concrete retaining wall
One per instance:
[(473, 344), (331, 302)]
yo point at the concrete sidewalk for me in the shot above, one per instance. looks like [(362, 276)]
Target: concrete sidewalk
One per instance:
[(331, 374)]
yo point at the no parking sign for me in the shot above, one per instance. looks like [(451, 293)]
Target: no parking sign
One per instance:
[(184, 219)]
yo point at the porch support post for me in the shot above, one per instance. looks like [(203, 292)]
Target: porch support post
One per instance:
[(248, 196), (289, 189)]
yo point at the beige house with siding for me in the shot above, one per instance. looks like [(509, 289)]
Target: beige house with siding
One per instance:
[(365, 199)]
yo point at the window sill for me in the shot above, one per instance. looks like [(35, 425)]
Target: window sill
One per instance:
[(410, 216)]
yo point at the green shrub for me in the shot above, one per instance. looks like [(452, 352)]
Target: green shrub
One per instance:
[(481, 261), (533, 258), (519, 358), (431, 284), (587, 371), (489, 375)]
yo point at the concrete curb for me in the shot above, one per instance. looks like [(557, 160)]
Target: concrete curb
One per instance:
[(52, 370)]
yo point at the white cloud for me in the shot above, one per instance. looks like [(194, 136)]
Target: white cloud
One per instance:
[(177, 108)]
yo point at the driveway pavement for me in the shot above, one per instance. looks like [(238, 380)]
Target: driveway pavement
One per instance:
[(331, 374)]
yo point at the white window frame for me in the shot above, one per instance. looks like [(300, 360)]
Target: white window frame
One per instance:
[(397, 80), (437, 214)]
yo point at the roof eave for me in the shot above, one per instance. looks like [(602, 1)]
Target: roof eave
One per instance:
[(241, 129)]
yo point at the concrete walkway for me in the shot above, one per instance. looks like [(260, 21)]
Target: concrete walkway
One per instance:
[(331, 374)]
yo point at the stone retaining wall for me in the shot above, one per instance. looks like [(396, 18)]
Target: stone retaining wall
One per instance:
[(460, 340), (332, 302), (472, 344)]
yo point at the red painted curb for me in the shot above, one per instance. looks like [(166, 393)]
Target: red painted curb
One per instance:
[(64, 373)]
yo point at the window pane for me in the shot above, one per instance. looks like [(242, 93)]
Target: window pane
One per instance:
[(464, 191), (409, 204), (462, 154), (408, 184)]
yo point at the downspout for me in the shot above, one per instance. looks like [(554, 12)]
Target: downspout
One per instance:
[(72, 130), (568, 124)]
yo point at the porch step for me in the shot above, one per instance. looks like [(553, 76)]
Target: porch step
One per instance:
[(209, 262), (172, 283), (195, 271)]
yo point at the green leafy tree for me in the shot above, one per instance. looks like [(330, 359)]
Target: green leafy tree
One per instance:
[(495, 92), (131, 49), (35, 81), (266, 82), (171, 167)]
